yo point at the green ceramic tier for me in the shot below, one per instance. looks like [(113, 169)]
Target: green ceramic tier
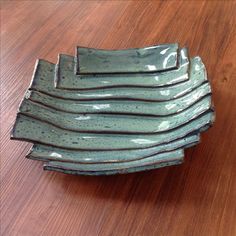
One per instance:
[(135, 60), (67, 79), (66, 170), (48, 153), (30, 129), (43, 81), (162, 108), (112, 123), (151, 160)]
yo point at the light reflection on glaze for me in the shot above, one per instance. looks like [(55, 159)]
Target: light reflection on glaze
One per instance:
[(55, 154), (82, 118), (168, 60), (164, 51), (42, 132), (45, 85), (43, 152), (121, 106), (165, 92), (183, 54), (113, 123), (157, 158), (170, 106), (64, 169), (100, 61), (142, 141), (197, 67), (150, 67), (100, 107), (68, 80)]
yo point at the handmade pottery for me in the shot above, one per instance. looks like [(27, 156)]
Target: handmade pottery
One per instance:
[(106, 112)]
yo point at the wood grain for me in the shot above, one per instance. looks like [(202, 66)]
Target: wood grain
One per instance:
[(196, 198)]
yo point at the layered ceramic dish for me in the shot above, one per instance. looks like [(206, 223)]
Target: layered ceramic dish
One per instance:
[(105, 112)]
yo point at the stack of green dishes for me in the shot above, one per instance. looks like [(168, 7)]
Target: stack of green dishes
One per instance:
[(104, 112)]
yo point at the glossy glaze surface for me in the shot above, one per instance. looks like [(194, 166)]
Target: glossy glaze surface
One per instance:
[(67, 79), (108, 123), (30, 129), (43, 81), (111, 123), (149, 59), (151, 160), (65, 169), (162, 108), (48, 153), (196, 198)]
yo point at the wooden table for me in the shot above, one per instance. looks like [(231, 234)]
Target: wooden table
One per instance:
[(196, 198)]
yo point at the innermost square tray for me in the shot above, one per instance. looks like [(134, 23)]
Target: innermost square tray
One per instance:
[(136, 60)]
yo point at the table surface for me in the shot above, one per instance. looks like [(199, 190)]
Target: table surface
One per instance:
[(195, 198)]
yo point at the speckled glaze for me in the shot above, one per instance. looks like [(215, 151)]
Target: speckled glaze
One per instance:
[(151, 160), (28, 128), (124, 111), (148, 59), (48, 153), (64, 169), (111, 123), (43, 81), (66, 79), (134, 107)]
